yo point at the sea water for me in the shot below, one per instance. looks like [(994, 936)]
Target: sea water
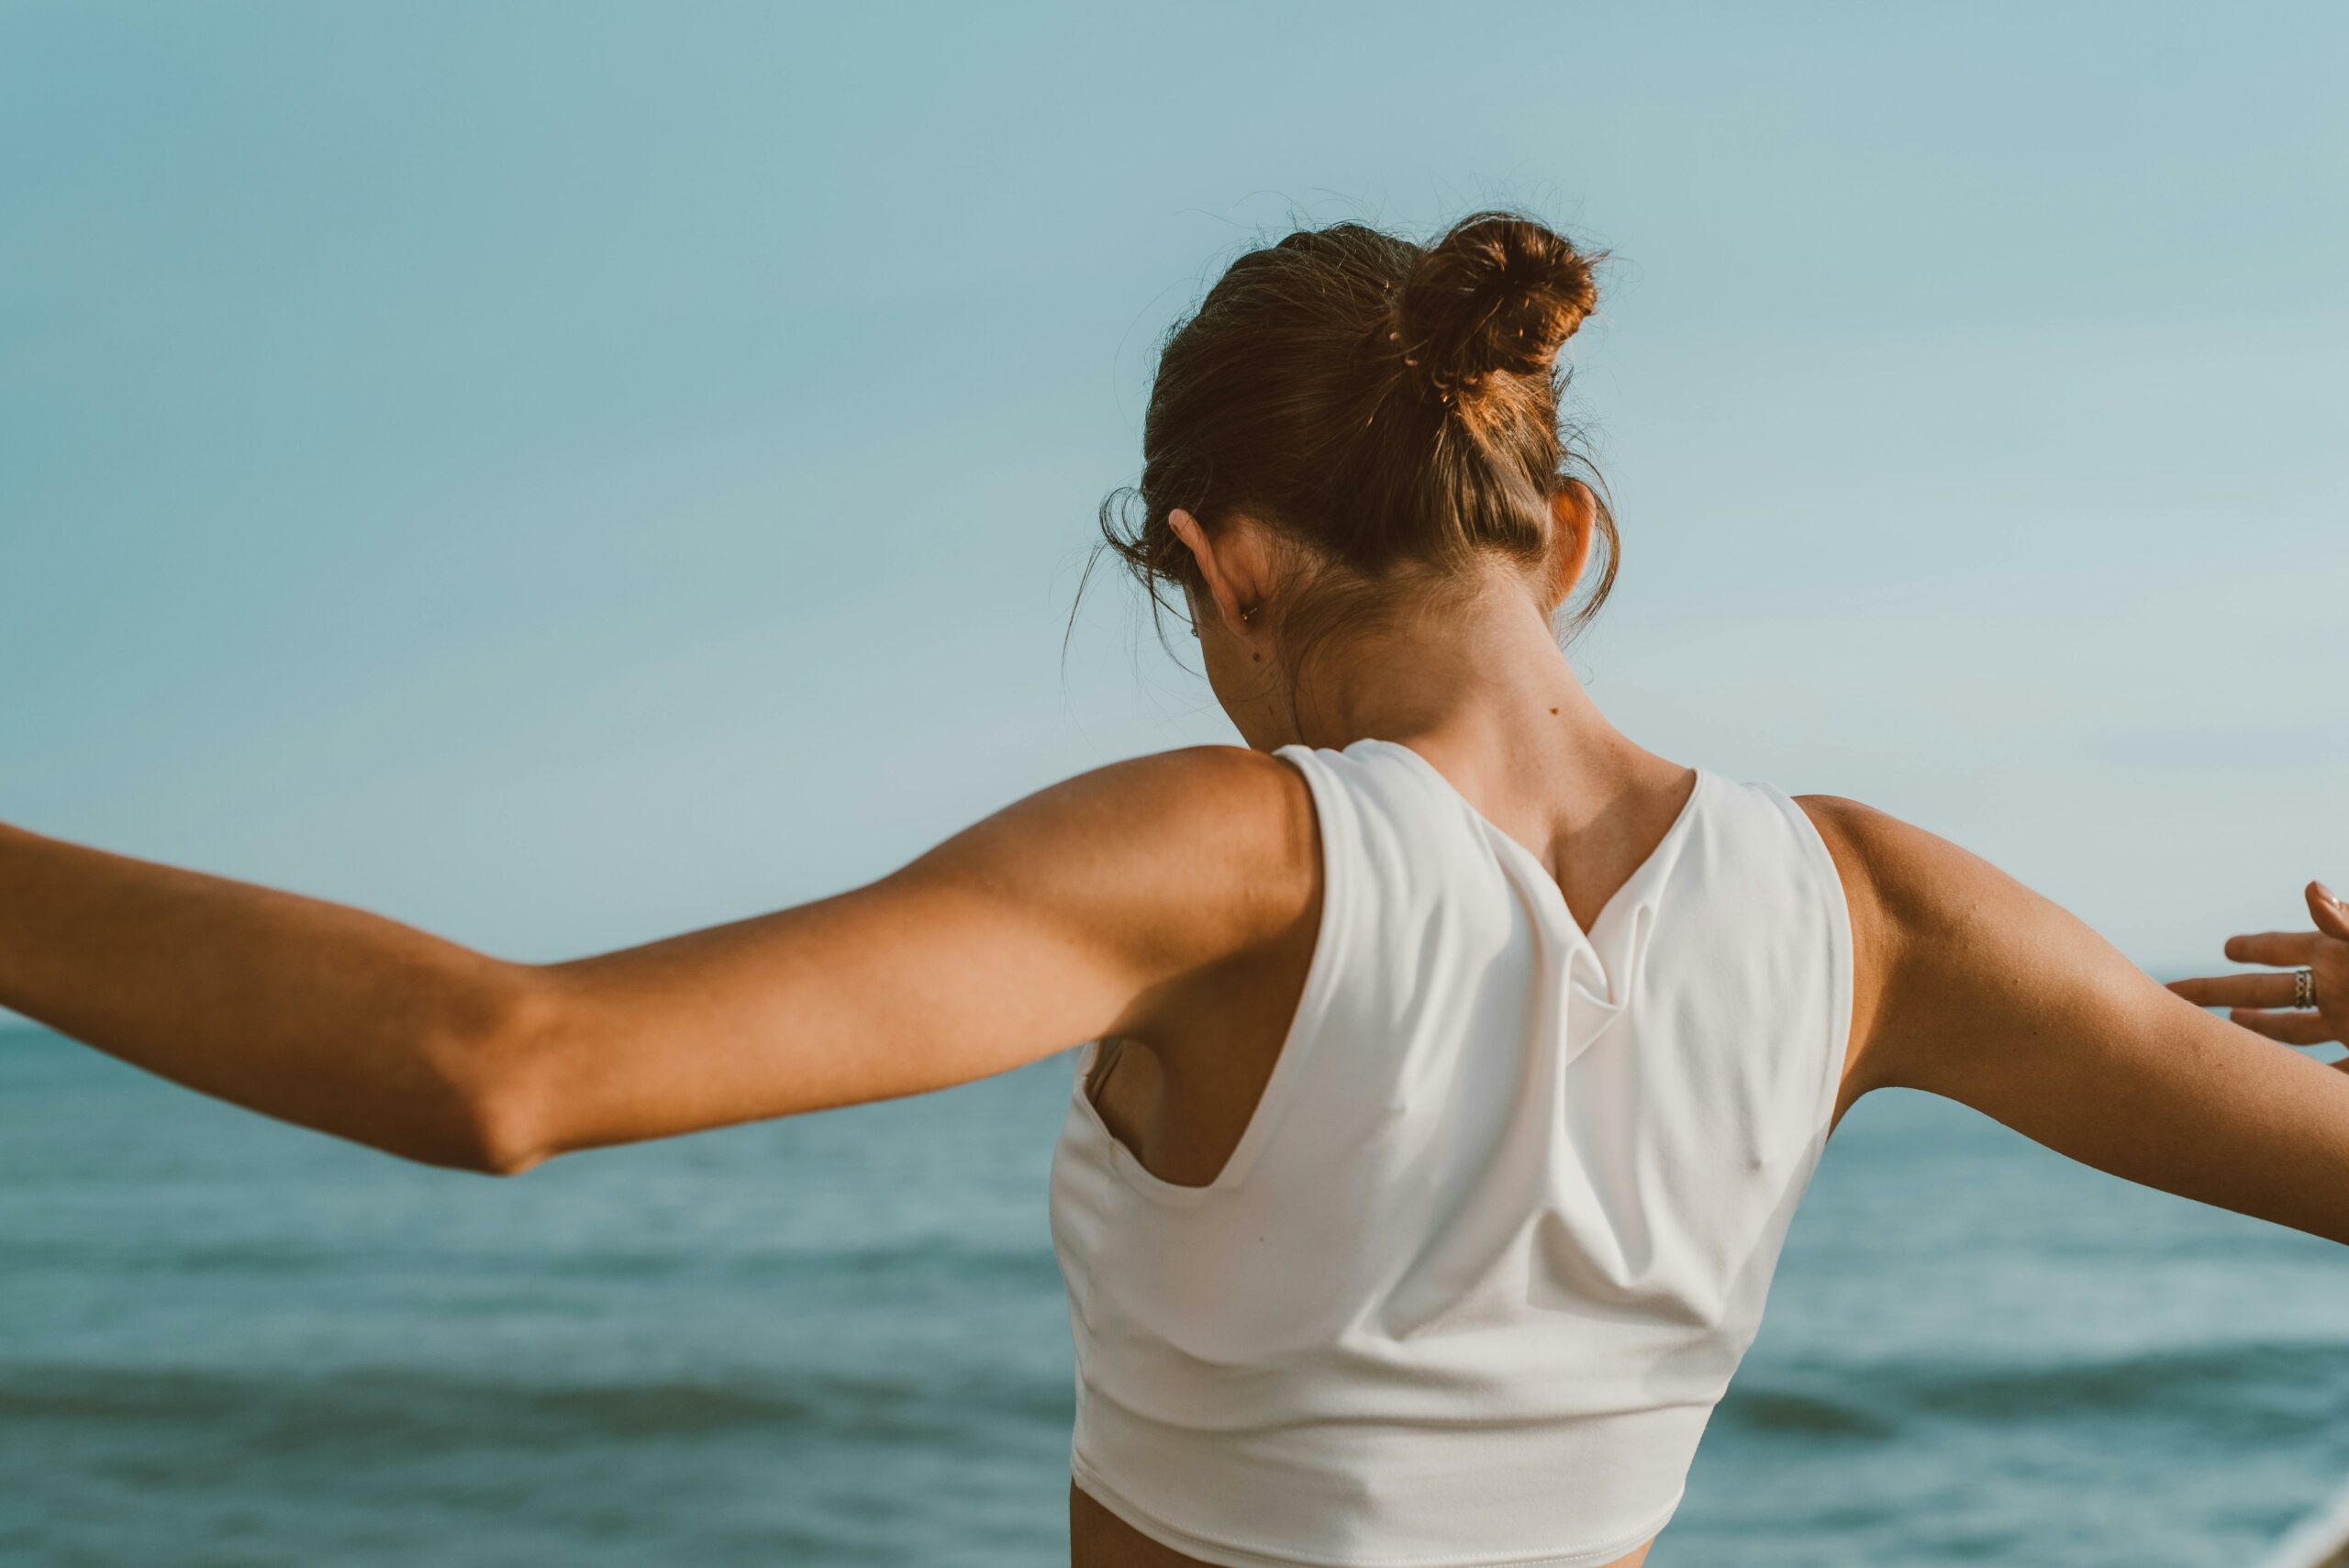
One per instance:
[(841, 1339)]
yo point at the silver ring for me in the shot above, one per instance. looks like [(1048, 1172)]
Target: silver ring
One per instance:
[(2304, 988)]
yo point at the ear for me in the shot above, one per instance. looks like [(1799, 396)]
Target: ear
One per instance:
[(1574, 527), (1234, 567)]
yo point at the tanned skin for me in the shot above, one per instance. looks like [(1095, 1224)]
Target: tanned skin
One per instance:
[(1166, 903)]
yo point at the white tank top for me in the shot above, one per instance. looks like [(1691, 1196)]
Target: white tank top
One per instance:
[(1500, 1228)]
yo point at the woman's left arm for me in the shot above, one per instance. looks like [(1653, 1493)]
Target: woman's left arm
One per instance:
[(1973, 987), (1070, 915)]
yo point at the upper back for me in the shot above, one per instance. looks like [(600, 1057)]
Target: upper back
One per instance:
[(1502, 1222)]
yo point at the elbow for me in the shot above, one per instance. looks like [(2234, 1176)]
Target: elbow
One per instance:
[(500, 1163), (472, 1150), (496, 1145), (484, 1055)]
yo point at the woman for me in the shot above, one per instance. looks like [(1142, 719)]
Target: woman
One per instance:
[(1452, 1065)]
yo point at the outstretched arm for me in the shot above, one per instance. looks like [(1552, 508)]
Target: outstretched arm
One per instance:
[(1976, 988), (1082, 911)]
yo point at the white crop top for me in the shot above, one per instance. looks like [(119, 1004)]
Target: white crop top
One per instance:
[(1501, 1225)]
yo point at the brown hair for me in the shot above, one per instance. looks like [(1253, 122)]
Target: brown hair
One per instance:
[(1383, 403)]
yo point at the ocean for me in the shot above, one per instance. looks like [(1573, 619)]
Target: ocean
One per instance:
[(841, 1339)]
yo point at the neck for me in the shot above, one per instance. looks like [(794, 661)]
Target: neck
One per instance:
[(1480, 688)]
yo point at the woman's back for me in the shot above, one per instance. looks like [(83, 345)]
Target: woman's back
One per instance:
[(1499, 1203), (1502, 1221)]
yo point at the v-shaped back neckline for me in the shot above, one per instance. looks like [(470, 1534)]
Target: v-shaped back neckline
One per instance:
[(1532, 864)]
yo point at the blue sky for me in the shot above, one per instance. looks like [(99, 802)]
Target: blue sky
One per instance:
[(559, 474)]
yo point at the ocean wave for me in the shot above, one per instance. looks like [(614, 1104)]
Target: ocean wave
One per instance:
[(400, 1408), (2270, 1388)]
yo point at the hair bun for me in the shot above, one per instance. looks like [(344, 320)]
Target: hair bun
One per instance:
[(1497, 291)]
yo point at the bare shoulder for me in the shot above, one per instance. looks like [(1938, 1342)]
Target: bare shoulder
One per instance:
[(1870, 835), (1895, 870), (1936, 931), (1184, 854), (1959, 962)]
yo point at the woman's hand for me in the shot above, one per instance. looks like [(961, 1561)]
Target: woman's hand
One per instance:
[(2263, 1002)]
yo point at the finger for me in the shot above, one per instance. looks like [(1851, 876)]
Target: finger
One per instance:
[(2331, 915), (2237, 991), (2294, 948), (2292, 1028)]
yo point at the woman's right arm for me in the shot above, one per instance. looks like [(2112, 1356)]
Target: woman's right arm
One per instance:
[(1971, 987), (1095, 906)]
